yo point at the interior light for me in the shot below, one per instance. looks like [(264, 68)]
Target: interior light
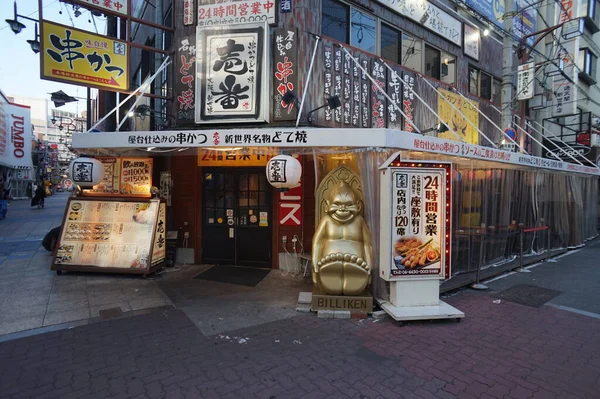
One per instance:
[(486, 32)]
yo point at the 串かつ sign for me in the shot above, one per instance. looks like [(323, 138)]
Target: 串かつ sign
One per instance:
[(74, 56)]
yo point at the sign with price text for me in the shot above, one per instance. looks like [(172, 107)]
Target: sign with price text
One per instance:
[(418, 220)]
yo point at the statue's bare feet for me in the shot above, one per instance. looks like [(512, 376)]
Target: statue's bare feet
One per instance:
[(331, 272), (343, 274)]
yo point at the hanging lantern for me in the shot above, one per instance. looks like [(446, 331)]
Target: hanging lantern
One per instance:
[(480, 174), (284, 172), (489, 174), (86, 172)]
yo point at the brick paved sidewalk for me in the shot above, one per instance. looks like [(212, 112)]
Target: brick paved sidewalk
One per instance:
[(500, 350)]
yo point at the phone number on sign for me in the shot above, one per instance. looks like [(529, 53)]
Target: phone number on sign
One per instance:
[(414, 272)]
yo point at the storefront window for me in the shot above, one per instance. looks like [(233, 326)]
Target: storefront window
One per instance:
[(391, 42), (363, 31), (335, 20), (432, 62), (587, 66), (473, 81), (496, 91), (485, 86), (448, 68), (411, 52), (589, 9)]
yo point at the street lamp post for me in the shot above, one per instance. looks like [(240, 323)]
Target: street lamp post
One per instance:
[(17, 26)]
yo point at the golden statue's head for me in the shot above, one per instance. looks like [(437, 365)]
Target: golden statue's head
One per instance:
[(343, 204)]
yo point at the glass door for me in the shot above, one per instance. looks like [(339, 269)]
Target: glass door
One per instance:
[(237, 217)]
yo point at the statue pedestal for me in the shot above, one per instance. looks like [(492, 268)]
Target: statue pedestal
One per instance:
[(362, 303), (418, 299)]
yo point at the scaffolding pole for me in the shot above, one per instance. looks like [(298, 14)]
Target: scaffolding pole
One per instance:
[(379, 88), (312, 62), (420, 99), (147, 81), (457, 110)]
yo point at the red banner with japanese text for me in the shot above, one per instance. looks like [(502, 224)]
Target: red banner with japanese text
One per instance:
[(285, 74)]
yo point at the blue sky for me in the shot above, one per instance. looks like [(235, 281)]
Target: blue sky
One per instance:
[(20, 67)]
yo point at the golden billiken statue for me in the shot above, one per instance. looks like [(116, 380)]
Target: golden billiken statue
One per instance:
[(342, 250)]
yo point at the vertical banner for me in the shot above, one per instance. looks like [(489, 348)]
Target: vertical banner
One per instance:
[(471, 40), (365, 92), (337, 82), (328, 90), (16, 136), (378, 100), (185, 79), (355, 95), (188, 12), (232, 63), (347, 91), (159, 249), (563, 85), (165, 185), (525, 80), (408, 100), (420, 215), (285, 77), (290, 206), (394, 90)]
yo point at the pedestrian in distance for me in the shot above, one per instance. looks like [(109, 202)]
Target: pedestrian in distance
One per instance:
[(4, 196), (38, 198)]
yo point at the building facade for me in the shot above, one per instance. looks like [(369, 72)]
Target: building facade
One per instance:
[(429, 67)]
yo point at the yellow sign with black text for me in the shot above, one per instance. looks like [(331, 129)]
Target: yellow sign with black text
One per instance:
[(74, 56), (458, 121), (247, 157)]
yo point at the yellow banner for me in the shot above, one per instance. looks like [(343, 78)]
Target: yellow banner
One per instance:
[(235, 157), (455, 120), (74, 56)]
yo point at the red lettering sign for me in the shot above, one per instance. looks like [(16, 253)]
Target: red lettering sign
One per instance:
[(17, 131)]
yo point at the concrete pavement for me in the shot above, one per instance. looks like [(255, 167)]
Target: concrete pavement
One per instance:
[(499, 351), (32, 296), (576, 276), (217, 340)]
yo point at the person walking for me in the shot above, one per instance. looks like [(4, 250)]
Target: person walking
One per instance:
[(4, 195), (38, 198)]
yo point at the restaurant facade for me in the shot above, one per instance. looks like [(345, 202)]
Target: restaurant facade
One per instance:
[(346, 88)]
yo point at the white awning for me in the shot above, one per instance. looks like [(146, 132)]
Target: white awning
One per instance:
[(17, 167), (130, 143)]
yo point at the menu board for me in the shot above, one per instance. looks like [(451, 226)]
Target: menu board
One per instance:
[(110, 181), (135, 176), (124, 177), (159, 247), (108, 234)]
